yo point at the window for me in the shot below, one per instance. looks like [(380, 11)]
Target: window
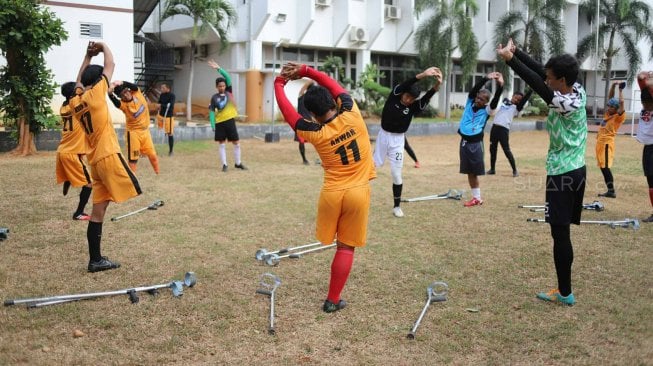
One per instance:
[(90, 30), (307, 56)]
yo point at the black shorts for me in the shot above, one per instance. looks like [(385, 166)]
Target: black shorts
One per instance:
[(226, 131), (471, 158), (564, 197), (647, 160)]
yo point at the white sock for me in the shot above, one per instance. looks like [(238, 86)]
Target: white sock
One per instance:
[(237, 153), (223, 154), (476, 193)]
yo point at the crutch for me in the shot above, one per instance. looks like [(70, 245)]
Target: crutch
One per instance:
[(613, 223), (155, 205), (436, 292), (177, 288), (262, 253), (268, 286), (595, 206), (451, 194), (274, 259)]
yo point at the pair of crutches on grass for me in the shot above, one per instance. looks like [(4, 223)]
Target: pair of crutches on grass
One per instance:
[(177, 288), (274, 257), (450, 194)]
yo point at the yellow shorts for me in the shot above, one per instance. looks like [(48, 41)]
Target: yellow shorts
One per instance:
[(604, 154), (139, 142), (343, 214), (70, 167), (167, 123), (113, 180)]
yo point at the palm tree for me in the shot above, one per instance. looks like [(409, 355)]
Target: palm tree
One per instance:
[(449, 28), (627, 19), (537, 30), (219, 15)]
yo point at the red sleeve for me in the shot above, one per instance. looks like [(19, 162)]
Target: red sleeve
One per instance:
[(289, 113), (323, 79)]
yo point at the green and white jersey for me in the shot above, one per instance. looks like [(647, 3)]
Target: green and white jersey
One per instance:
[(567, 128)]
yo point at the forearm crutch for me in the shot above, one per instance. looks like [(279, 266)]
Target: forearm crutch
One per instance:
[(612, 223), (155, 205), (177, 288), (262, 253), (436, 292), (268, 286), (274, 259), (451, 194)]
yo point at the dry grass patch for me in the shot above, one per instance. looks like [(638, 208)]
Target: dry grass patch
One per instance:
[(212, 223)]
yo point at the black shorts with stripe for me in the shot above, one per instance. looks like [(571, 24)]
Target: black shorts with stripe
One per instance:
[(647, 160), (564, 197), (226, 131), (472, 157)]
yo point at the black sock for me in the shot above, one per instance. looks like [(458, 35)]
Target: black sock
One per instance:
[(302, 151), (609, 179), (94, 236), (171, 142), (396, 192), (83, 199)]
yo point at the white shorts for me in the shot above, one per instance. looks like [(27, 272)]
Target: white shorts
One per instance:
[(391, 146)]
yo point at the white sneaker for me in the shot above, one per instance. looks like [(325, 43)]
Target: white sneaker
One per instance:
[(397, 212)]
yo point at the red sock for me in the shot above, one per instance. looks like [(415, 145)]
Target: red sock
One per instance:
[(340, 268), (650, 195)]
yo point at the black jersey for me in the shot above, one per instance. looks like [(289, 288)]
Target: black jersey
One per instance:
[(164, 100), (396, 117)]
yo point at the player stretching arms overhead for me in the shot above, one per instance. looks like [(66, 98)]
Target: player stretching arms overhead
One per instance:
[(340, 137)]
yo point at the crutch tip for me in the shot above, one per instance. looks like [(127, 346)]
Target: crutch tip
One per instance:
[(410, 336)]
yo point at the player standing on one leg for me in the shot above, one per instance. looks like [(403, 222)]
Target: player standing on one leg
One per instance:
[(340, 137), (222, 115), (112, 178), (645, 130), (500, 132), (614, 117), (566, 124), (472, 125), (138, 139), (165, 117), (70, 169), (400, 107)]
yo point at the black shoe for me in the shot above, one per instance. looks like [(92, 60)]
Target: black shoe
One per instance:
[(330, 307), (102, 265), (491, 172), (306, 162), (240, 166), (608, 194), (649, 219), (66, 187), (224, 168), (170, 153), (515, 173)]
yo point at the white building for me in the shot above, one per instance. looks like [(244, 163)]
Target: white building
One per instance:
[(359, 31), (109, 21)]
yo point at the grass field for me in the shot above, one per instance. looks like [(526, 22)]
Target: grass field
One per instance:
[(212, 223)]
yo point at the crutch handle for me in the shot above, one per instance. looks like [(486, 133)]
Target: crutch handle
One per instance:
[(264, 292)]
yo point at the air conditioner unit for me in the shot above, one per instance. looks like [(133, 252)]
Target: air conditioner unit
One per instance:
[(392, 12), (323, 2), (358, 35)]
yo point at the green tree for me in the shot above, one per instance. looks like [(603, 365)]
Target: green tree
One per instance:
[(629, 20), (27, 31), (448, 28), (219, 15), (537, 30), (369, 94)]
